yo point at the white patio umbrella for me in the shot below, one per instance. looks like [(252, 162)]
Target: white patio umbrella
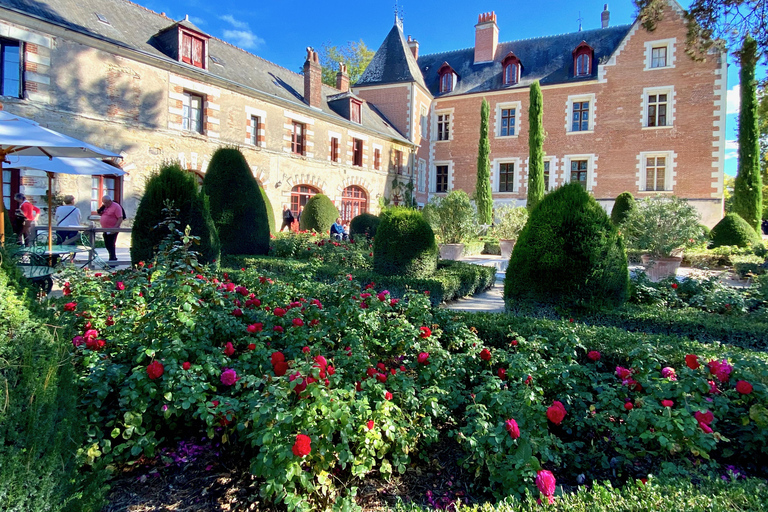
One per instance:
[(23, 137)]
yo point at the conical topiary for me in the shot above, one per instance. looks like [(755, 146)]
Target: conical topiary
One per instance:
[(625, 203), (568, 254), (404, 244), (318, 215), (733, 230), (237, 205), (174, 184), (270, 211)]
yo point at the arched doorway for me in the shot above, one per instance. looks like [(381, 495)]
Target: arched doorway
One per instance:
[(300, 194), (354, 201)]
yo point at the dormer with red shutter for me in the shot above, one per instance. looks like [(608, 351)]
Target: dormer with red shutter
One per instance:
[(583, 55), (184, 42), (511, 68), (448, 78)]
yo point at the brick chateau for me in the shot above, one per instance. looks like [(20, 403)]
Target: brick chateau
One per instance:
[(624, 109)]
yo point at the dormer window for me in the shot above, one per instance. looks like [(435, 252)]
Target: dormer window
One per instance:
[(192, 49), (582, 60), (447, 78), (355, 111), (511, 66), (183, 42)]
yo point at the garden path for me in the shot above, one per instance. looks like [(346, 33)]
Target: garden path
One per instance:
[(490, 301)]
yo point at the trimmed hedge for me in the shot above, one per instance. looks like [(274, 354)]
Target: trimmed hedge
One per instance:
[(270, 211), (318, 214), (733, 230), (236, 203), (473, 247), (625, 202), (569, 254), (364, 224), (404, 245)]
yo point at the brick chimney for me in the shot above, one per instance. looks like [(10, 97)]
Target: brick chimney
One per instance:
[(342, 78), (414, 46), (313, 79), (605, 16), (486, 37)]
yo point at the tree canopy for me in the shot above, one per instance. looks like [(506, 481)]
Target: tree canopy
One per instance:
[(355, 55)]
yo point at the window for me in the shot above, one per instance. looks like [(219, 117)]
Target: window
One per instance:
[(297, 138), (11, 183), (446, 82), (659, 57), (579, 172), (443, 126), (334, 149), (357, 152), (354, 201), (398, 161), (105, 186), (582, 65), (300, 194), (510, 74), (192, 50), (582, 59), (657, 110), (546, 175), (655, 172), (377, 159), (10, 68), (507, 122), (422, 175), (507, 177), (255, 123), (355, 111), (580, 116), (192, 113), (423, 122), (441, 179)]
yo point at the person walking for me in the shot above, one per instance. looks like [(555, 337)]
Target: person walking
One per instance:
[(68, 215), (287, 218), (27, 214), (111, 217)]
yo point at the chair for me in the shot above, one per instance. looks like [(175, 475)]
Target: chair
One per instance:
[(42, 239), (95, 261)]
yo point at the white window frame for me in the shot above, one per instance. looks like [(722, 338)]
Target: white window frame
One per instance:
[(669, 90), (550, 184), (422, 179), (423, 121), (186, 104), (591, 159), (669, 171), (433, 176), (659, 43), (496, 166), (448, 112), (261, 114), (569, 113), (518, 106)]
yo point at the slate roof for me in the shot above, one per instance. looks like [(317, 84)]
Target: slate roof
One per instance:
[(547, 59), (133, 26), (393, 63)]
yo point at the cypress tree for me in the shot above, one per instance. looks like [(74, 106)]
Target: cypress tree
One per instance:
[(748, 189), (535, 148), (483, 194)]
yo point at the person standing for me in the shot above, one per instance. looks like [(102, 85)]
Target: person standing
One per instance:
[(287, 218), (68, 215), (27, 214), (111, 217)]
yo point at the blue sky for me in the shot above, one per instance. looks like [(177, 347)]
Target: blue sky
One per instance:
[(280, 32)]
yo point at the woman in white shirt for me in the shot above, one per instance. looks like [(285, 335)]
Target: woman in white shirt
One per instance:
[(68, 215)]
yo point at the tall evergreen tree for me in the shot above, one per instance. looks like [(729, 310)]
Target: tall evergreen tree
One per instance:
[(748, 190), (483, 194), (535, 148)]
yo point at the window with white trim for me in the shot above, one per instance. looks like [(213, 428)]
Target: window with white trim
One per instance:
[(660, 54), (423, 122), (506, 177), (11, 67), (581, 114), (441, 179), (422, 175), (507, 119), (656, 111), (443, 126), (580, 169), (656, 171), (254, 130), (192, 112), (547, 175), (659, 57)]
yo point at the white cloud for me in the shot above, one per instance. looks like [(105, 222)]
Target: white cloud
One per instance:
[(731, 149), (197, 21), (232, 21), (243, 38), (733, 99)]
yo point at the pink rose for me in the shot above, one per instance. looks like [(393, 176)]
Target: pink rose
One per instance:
[(546, 482), (228, 376), (512, 428), (423, 358), (594, 355)]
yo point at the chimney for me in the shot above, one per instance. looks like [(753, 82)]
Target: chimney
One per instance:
[(605, 16), (414, 46), (486, 37), (313, 79), (342, 78)]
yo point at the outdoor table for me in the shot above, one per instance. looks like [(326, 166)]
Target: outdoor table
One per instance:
[(65, 252)]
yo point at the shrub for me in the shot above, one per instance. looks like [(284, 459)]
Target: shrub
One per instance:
[(236, 203), (625, 202), (509, 222), (661, 225), (364, 224), (568, 253), (270, 210), (404, 245), (452, 217), (318, 215), (733, 230), (172, 184)]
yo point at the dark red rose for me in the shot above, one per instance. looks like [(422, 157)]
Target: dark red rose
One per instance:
[(155, 370)]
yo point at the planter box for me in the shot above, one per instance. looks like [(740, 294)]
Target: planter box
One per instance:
[(506, 248), (451, 251), (660, 268)]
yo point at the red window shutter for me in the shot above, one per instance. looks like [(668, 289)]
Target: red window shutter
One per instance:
[(186, 48), (197, 52)]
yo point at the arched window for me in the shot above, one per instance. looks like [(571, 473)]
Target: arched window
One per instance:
[(447, 77), (300, 194), (582, 60), (354, 201), (511, 66)]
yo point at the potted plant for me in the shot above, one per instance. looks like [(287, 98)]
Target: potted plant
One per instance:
[(662, 227), (508, 223), (453, 219)]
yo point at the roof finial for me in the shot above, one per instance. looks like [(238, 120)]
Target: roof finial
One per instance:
[(580, 20)]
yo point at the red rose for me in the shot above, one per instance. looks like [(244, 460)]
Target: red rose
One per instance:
[(425, 332), (704, 417), (388, 395), (546, 482), (251, 346), (528, 380), (120, 286), (301, 446), (381, 377), (109, 321), (393, 302), (331, 370), (705, 428), (94, 344), (229, 349), (674, 286), (155, 370), (556, 412), (186, 366), (423, 358), (280, 368), (305, 350), (237, 312), (502, 373), (594, 355), (70, 306), (667, 403), (370, 424), (276, 357), (744, 387), (278, 328), (298, 322), (628, 406), (692, 361), (485, 354), (254, 328), (279, 311), (512, 428)]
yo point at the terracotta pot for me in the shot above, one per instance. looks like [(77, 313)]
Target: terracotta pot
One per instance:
[(451, 251), (659, 268), (506, 248)]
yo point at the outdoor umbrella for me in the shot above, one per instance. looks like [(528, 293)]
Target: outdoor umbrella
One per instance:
[(51, 166), (23, 137)]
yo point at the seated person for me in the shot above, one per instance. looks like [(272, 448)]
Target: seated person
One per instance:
[(337, 230)]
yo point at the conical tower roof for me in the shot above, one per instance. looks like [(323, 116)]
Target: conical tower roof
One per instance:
[(393, 63)]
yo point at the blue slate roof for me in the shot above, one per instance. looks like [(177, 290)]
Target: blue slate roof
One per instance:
[(393, 63)]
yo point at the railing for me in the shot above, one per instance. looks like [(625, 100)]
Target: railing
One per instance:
[(90, 232)]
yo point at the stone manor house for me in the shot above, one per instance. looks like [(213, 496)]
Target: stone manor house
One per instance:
[(624, 109)]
